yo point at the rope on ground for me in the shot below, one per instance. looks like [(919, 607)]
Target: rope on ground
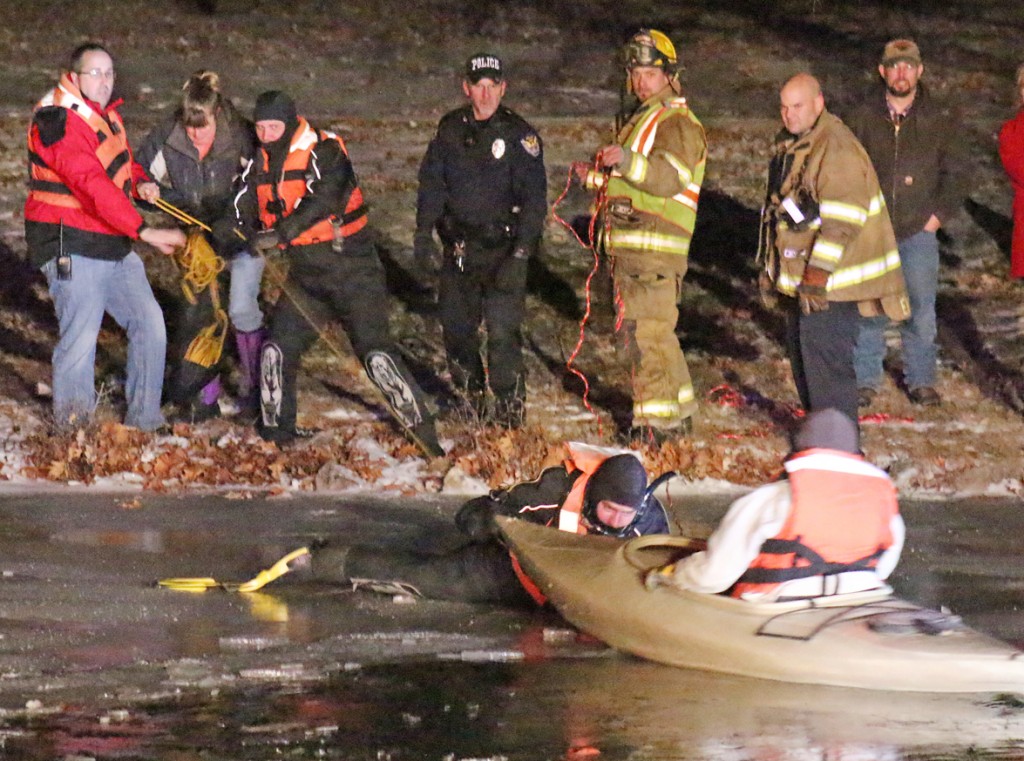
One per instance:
[(726, 395)]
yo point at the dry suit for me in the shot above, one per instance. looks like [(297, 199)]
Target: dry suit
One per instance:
[(302, 188)]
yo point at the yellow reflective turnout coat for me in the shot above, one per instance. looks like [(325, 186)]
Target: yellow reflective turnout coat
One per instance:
[(652, 195)]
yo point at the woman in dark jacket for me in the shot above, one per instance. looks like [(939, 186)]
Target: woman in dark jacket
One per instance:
[(196, 157)]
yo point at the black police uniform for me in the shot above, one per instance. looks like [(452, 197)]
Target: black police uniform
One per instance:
[(482, 186)]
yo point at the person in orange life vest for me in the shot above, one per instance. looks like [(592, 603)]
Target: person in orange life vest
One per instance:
[(197, 155), (300, 195), (832, 526), (592, 490), (80, 226)]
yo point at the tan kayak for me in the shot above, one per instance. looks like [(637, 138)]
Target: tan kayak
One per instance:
[(871, 640)]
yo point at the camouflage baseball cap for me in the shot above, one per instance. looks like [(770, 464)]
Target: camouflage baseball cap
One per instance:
[(901, 50)]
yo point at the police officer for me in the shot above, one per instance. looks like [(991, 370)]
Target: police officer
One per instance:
[(483, 189)]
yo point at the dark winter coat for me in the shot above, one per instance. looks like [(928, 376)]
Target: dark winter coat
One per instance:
[(919, 162), (477, 173), (200, 187), (1011, 151)]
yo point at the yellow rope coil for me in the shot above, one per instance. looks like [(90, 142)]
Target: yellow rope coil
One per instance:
[(199, 263), (200, 267)]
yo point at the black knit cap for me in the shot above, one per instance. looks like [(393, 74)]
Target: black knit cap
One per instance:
[(275, 105), (621, 479)]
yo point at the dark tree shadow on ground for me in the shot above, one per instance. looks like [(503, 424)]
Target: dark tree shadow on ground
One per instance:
[(998, 226), (20, 291), (960, 337), (722, 263), (414, 289), (551, 288), (615, 402)]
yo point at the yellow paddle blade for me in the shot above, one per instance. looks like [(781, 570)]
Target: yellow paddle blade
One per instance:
[(199, 584), (276, 571)]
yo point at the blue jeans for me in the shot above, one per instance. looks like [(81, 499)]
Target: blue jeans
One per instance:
[(122, 290), (919, 259), (243, 296)]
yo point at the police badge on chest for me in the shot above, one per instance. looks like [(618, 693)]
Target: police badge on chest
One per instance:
[(498, 148)]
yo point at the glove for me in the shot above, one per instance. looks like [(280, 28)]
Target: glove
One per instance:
[(766, 290), (266, 242), (228, 238), (812, 292), (425, 252), (663, 576), (475, 519), (511, 274)]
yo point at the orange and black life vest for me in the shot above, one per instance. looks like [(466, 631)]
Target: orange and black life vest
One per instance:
[(579, 457), (46, 188), (839, 521), (278, 197), (586, 458)]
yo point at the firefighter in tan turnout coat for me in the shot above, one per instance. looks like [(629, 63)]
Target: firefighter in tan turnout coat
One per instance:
[(827, 246)]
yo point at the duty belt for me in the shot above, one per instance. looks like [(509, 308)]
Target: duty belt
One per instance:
[(490, 235)]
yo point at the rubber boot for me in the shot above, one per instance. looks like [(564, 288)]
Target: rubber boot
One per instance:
[(249, 345), (207, 407)]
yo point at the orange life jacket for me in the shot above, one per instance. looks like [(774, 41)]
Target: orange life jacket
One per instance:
[(839, 521), (587, 458), (300, 169), (45, 186), (579, 456)]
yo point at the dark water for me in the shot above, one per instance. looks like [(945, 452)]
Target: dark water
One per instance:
[(96, 663)]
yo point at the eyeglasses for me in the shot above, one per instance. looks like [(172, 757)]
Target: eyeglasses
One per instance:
[(99, 74)]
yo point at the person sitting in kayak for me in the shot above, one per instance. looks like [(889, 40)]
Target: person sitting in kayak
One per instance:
[(593, 490), (832, 526)]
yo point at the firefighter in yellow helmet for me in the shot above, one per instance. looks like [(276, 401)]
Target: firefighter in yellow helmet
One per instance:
[(649, 183)]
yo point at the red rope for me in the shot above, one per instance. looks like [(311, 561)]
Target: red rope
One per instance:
[(884, 417), (598, 207)]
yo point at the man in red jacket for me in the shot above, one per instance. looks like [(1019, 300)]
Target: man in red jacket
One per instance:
[(79, 227)]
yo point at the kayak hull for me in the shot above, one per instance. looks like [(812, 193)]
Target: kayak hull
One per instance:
[(870, 640)]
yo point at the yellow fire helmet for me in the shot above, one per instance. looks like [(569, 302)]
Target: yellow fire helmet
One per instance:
[(649, 47)]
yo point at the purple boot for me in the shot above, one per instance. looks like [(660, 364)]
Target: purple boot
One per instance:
[(250, 346), (206, 407)]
